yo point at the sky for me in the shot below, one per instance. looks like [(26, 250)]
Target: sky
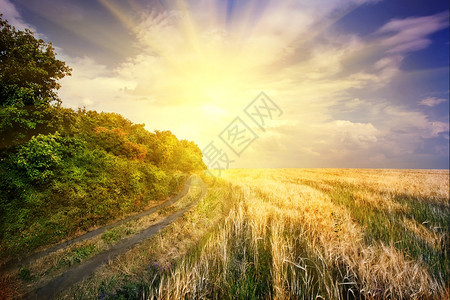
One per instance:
[(346, 83)]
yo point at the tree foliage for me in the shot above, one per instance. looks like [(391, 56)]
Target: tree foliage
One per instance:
[(62, 171), (29, 74), (29, 69)]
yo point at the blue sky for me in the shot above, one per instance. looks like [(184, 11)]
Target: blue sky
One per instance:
[(361, 83)]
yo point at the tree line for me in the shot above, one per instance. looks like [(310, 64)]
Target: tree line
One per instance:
[(65, 170)]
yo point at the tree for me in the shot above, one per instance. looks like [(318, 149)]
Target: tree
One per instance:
[(29, 74)]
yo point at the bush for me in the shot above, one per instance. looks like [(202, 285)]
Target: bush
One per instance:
[(63, 171)]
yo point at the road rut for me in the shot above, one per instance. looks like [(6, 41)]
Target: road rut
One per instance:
[(88, 267)]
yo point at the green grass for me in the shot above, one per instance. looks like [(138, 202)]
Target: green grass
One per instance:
[(117, 233), (246, 279), (77, 255), (25, 275)]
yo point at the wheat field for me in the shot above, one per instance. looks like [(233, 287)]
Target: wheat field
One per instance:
[(294, 234), (322, 234)]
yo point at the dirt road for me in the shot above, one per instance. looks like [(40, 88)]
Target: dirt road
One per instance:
[(14, 263), (88, 267)]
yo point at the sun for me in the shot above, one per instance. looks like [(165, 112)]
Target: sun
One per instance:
[(201, 64)]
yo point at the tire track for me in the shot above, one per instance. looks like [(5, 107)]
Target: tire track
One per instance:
[(14, 263), (85, 269)]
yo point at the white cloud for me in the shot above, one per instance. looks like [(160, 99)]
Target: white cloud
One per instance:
[(92, 84), (438, 128), (11, 14), (431, 101), (87, 101), (411, 34), (412, 123), (360, 134)]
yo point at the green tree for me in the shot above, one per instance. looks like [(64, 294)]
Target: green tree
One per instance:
[(29, 74), (62, 170)]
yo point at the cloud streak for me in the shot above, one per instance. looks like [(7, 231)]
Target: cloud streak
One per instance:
[(11, 14), (411, 34), (431, 101)]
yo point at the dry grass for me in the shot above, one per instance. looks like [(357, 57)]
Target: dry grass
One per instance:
[(433, 238), (322, 234)]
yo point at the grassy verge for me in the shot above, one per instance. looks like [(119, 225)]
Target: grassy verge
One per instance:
[(27, 277), (131, 274)]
